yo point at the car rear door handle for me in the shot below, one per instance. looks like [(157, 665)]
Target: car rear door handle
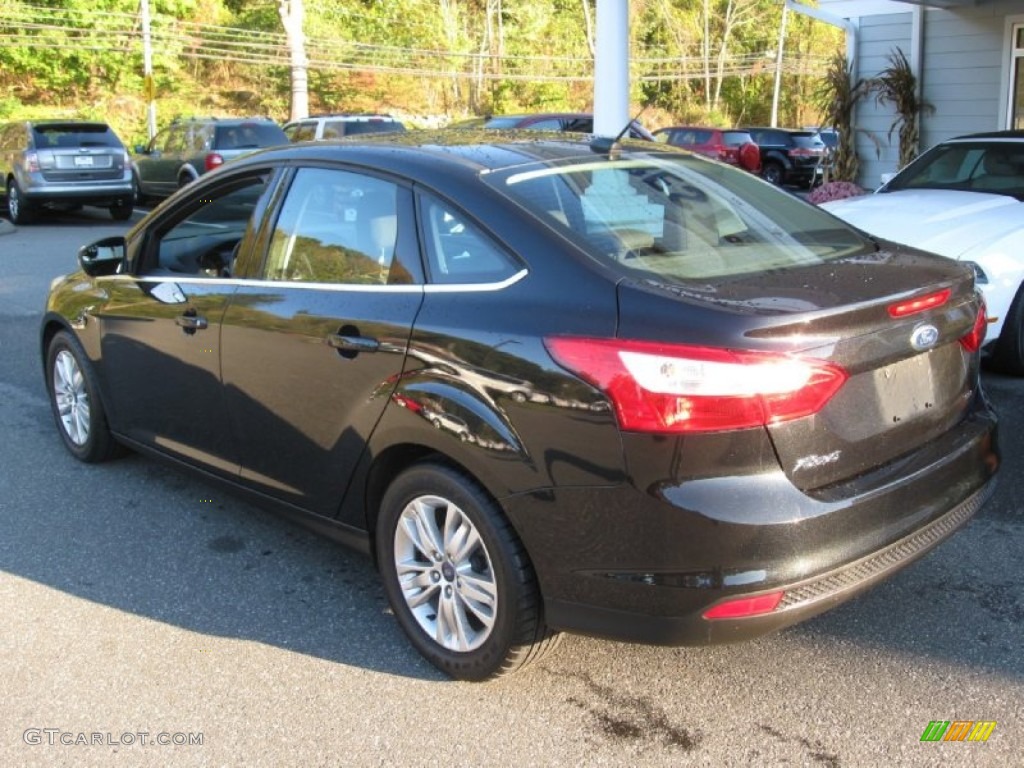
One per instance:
[(352, 343), (191, 322)]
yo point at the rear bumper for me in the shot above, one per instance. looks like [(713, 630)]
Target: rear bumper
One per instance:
[(38, 191), (644, 566), (801, 600)]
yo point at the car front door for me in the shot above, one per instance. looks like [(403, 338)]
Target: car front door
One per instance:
[(161, 326), (311, 350)]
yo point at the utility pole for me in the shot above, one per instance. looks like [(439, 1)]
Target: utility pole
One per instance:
[(778, 67), (611, 68), (148, 87)]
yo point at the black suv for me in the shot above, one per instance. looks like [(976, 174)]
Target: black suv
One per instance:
[(187, 149), (790, 156), (63, 164)]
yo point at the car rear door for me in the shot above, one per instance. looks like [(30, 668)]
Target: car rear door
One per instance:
[(313, 347)]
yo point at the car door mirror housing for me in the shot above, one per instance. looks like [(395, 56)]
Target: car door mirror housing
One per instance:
[(104, 257)]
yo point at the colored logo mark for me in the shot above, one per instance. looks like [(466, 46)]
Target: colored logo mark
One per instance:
[(958, 730)]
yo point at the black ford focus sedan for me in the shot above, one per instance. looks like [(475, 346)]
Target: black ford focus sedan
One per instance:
[(548, 384)]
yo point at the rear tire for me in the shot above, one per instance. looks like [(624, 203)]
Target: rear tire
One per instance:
[(457, 577), (18, 208), (1008, 354), (75, 401), (773, 173)]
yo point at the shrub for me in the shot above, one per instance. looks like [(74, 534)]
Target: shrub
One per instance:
[(834, 190)]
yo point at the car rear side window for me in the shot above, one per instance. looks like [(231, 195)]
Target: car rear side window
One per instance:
[(337, 227), (458, 252)]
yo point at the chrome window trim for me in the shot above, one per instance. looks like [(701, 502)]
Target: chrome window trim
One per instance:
[(330, 287)]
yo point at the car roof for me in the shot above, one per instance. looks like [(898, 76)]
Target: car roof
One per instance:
[(800, 131), (1016, 135), (418, 154), (72, 121)]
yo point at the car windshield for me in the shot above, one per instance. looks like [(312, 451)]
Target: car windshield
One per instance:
[(681, 218), (976, 166), (75, 135), (249, 136)]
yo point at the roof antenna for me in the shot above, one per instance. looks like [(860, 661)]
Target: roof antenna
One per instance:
[(602, 145)]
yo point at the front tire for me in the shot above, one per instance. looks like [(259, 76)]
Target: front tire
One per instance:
[(75, 402), (1008, 355), (457, 576)]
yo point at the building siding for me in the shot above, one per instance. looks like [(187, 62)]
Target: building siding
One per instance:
[(963, 65)]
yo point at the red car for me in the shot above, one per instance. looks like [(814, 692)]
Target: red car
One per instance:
[(730, 145)]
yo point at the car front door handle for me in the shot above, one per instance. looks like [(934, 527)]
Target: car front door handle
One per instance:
[(191, 322), (352, 343)]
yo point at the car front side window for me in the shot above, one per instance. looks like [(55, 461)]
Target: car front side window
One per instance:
[(203, 239)]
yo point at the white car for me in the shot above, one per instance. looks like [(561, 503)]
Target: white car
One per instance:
[(963, 198)]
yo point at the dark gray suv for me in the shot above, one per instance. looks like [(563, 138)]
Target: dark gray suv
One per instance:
[(186, 149), (63, 165)]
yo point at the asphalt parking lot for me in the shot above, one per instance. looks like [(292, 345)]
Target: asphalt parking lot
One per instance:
[(150, 621)]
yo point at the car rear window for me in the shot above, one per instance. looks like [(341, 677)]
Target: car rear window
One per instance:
[(807, 141), (736, 138), (502, 123), (74, 135), (677, 218), (356, 127)]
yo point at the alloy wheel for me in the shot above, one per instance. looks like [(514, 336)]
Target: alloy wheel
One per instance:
[(445, 573), (71, 397)]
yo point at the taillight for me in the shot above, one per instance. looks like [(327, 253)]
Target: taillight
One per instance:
[(801, 152), (744, 606), (920, 304), (972, 341), (679, 388), (213, 160), (31, 163)]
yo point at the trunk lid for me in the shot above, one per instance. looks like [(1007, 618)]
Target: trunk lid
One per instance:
[(910, 378)]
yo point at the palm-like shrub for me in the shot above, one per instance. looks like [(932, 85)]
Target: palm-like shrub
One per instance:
[(837, 99), (897, 84)]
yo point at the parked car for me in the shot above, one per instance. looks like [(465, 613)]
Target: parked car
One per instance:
[(790, 156), (743, 413), (963, 198), (573, 122), (61, 165), (186, 149), (730, 145), (321, 127)]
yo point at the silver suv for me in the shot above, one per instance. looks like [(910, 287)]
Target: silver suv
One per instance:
[(186, 149), (323, 127), (63, 164)]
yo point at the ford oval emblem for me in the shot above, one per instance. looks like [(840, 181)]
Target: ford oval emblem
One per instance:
[(924, 337)]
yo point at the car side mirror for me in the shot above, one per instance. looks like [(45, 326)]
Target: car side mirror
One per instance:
[(104, 257)]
